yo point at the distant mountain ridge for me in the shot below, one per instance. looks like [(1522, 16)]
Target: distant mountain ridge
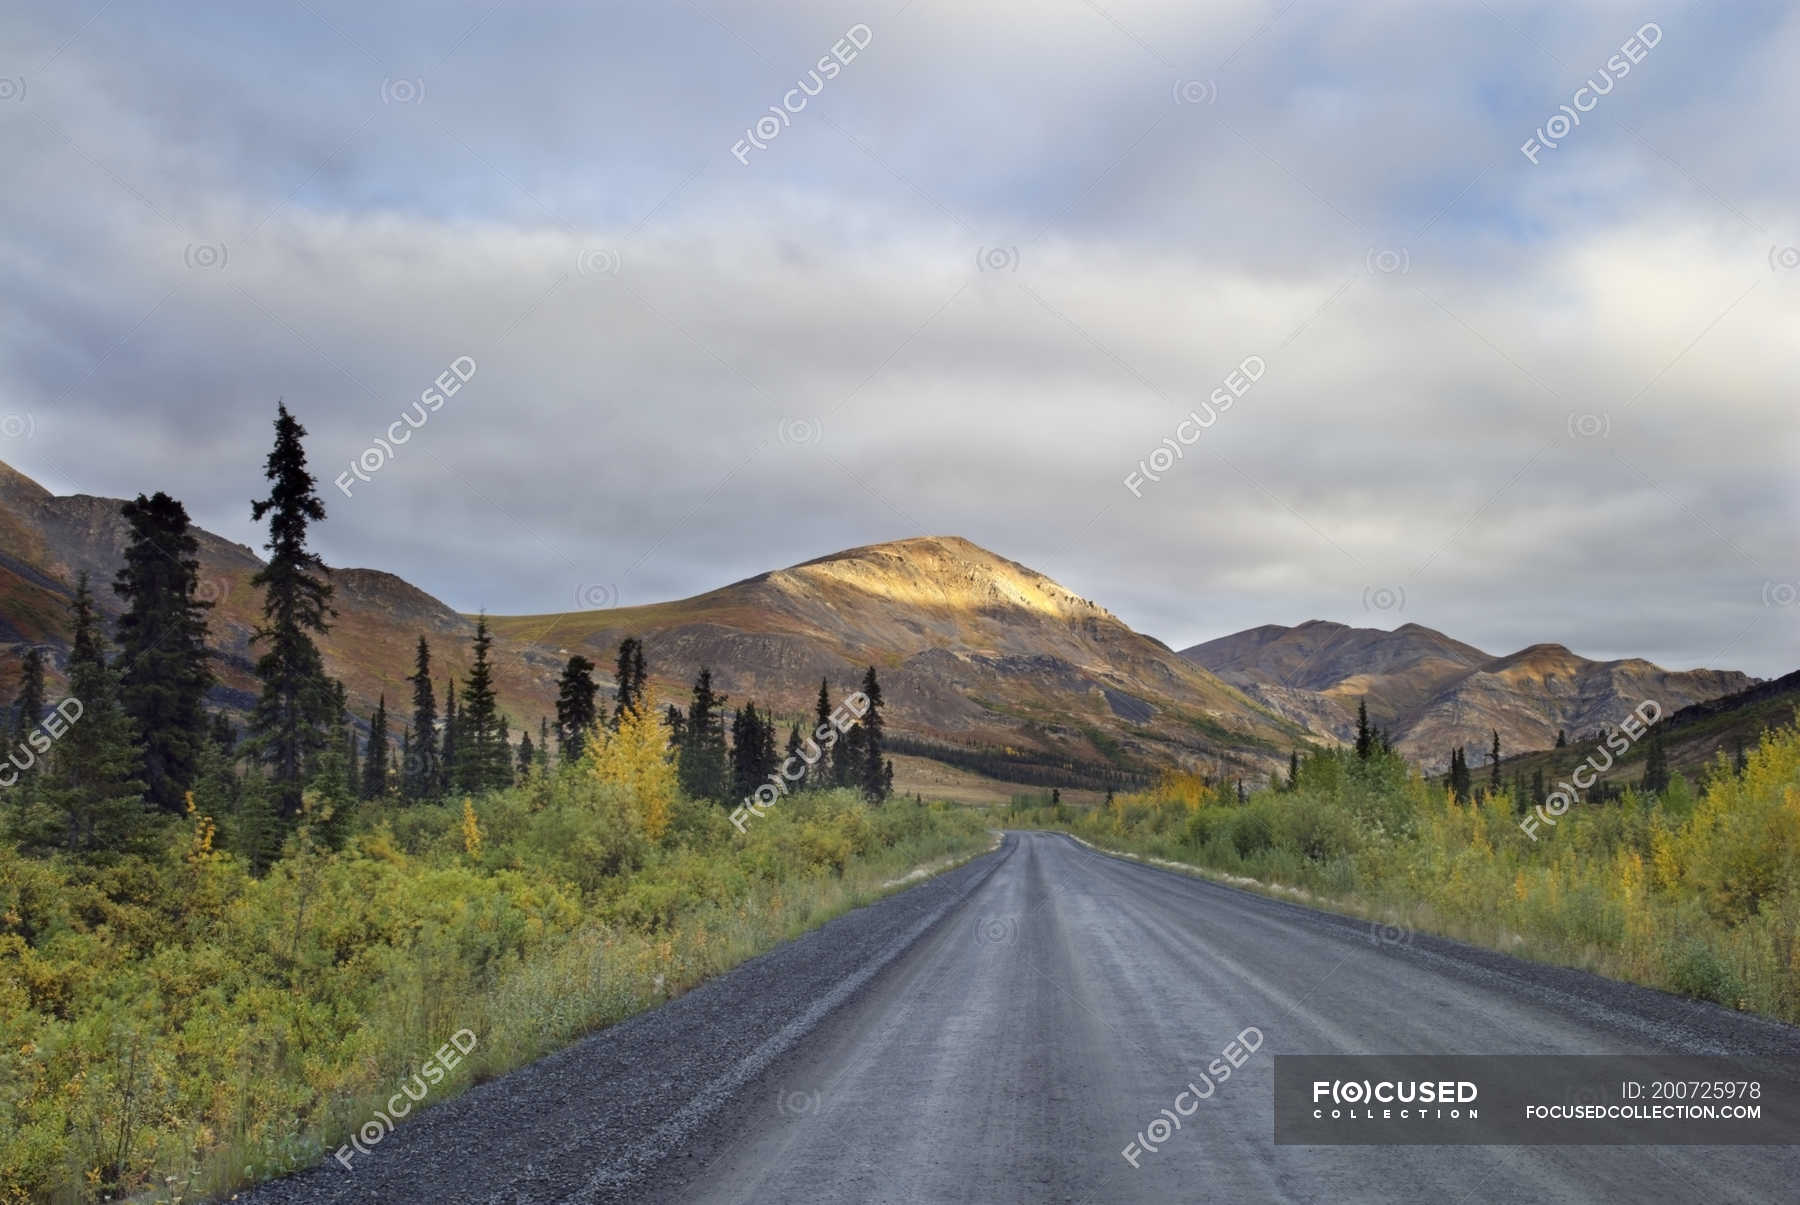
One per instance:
[(975, 651), (1432, 692)]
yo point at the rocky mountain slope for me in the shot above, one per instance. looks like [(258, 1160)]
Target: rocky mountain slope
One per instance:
[(974, 651), (1432, 692)]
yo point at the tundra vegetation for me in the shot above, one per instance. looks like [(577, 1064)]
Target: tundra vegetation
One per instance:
[(1695, 891), (173, 1022), (221, 952)]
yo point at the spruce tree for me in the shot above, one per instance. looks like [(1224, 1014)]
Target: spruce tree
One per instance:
[(1562, 739), (527, 756), (162, 663), (421, 765), (352, 772), (543, 744), (501, 771), (1460, 783), (822, 773), (1365, 739), (629, 674), (478, 723), (223, 734), (292, 720), (1494, 764), (746, 757), (793, 753), (875, 774), (676, 723), (1293, 779), (90, 787), (575, 718), (449, 754), (701, 764), (28, 710), (375, 758), (1656, 765)]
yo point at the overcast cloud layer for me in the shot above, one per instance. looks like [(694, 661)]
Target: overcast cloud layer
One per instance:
[(988, 269)]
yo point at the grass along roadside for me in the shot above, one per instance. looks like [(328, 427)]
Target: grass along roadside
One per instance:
[(1692, 892), (173, 1028)]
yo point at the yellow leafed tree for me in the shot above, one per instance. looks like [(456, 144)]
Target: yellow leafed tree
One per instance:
[(636, 758), (471, 831)]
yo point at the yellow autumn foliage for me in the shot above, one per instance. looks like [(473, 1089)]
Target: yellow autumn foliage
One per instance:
[(635, 758)]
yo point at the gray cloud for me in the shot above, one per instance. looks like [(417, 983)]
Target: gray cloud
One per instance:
[(1545, 402)]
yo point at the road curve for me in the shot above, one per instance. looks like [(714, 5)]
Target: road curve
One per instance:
[(1001, 1033)]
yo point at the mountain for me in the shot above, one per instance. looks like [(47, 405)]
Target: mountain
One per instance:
[(1694, 737), (1431, 692), (983, 662), (48, 540), (975, 652)]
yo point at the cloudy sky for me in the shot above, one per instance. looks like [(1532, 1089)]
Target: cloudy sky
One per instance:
[(1516, 381)]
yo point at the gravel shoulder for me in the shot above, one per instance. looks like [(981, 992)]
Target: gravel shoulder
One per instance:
[(585, 1123), (999, 1033)]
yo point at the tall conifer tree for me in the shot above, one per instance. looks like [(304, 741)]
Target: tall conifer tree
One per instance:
[(292, 720)]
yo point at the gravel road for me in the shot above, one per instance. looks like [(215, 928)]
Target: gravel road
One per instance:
[(1001, 1032)]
